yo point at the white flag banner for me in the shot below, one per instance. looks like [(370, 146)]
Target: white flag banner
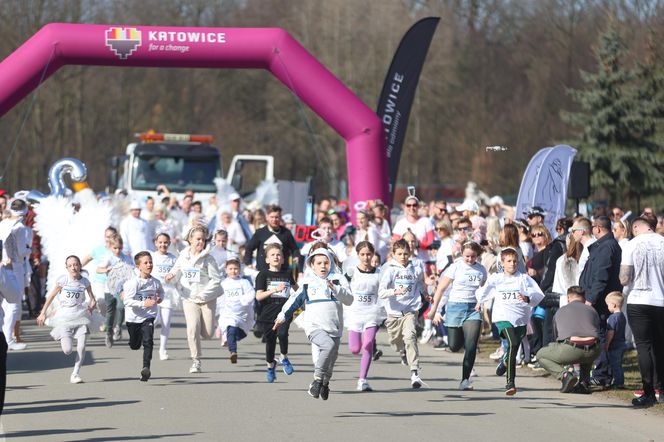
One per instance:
[(544, 184)]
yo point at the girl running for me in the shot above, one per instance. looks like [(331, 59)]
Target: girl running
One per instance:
[(71, 318), (463, 318), (362, 316), (163, 261)]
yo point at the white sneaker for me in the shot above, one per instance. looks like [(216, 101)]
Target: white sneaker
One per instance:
[(195, 367), (473, 373), (426, 336), (117, 333), (17, 346), (75, 378), (363, 385), (163, 355), (465, 385), (500, 351), (415, 380)]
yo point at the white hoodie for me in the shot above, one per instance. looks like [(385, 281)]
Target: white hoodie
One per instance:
[(199, 276), (393, 276)]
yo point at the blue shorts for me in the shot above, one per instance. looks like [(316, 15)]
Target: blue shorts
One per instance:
[(456, 313)]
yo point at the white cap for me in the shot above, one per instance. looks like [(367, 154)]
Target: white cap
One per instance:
[(234, 196), (496, 200), (468, 205), (135, 205)]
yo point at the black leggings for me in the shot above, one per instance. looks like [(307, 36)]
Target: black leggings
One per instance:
[(465, 336), (270, 338), (513, 335), (647, 322)]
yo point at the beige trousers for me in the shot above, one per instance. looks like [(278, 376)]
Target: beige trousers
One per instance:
[(200, 322), (403, 336)]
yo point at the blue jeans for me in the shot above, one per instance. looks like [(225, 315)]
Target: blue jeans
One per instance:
[(615, 357), (234, 334)]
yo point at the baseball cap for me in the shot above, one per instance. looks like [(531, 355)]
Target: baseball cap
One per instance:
[(535, 211), (469, 205)]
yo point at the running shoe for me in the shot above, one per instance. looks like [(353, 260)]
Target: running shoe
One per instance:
[(145, 374), (315, 388), (501, 369), (377, 354), (415, 380), (102, 328), (404, 358), (271, 374), (233, 358), (427, 335), (644, 401), (465, 385), (109, 341), (440, 344), (641, 393), (363, 385), (287, 366), (117, 333), (163, 355), (510, 389), (75, 378), (17, 346), (500, 351), (473, 373), (325, 391), (569, 382), (195, 367)]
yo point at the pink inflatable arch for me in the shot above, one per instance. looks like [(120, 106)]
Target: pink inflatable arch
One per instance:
[(273, 49)]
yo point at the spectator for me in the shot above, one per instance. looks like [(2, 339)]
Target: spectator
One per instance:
[(135, 231), (621, 232), (273, 232), (598, 278), (642, 272), (236, 214), (420, 226), (535, 216), (581, 231), (576, 332)]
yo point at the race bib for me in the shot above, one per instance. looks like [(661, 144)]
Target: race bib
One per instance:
[(71, 297), (364, 298), (163, 269), (191, 275), (509, 296), (408, 285), (274, 285), (233, 293)]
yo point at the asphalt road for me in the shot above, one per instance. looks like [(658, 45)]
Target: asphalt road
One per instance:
[(233, 402)]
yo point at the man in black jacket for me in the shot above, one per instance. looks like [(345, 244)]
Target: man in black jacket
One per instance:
[(600, 276), (273, 232)]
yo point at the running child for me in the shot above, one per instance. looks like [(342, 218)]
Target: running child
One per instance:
[(71, 318), (116, 266), (514, 294), (273, 288), (402, 287), (364, 315), (141, 296), (462, 315), (323, 293), (162, 262), (236, 307)]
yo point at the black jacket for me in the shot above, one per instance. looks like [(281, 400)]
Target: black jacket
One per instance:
[(265, 235), (553, 251), (600, 275)]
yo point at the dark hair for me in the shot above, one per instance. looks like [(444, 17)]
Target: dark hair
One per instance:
[(18, 204), (401, 244), (197, 203), (464, 220), (168, 237), (564, 224), (603, 222), (647, 220), (576, 290), (140, 255), (232, 261), (362, 244), (472, 245), (111, 229), (73, 256), (325, 220), (510, 236), (273, 208)]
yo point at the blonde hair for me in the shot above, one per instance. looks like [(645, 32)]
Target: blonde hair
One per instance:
[(202, 229), (616, 297)]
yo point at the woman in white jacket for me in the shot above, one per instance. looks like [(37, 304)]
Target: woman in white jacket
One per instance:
[(201, 286)]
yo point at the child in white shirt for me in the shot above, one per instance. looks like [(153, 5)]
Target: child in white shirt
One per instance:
[(235, 307), (162, 262), (141, 296)]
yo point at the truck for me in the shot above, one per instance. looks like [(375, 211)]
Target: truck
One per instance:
[(183, 162)]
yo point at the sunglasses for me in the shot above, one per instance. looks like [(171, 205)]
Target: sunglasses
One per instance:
[(411, 205), (536, 235)]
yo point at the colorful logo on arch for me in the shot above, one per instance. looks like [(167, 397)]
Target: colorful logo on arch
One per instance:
[(123, 41)]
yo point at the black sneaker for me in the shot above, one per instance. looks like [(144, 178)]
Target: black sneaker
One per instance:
[(501, 369), (645, 401), (145, 374), (325, 391), (377, 354), (315, 388), (581, 388), (510, 389), (569, 382)]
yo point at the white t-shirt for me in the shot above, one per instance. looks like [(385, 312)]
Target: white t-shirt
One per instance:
[(465, 280), (135, 291), (365, 309), (235, 307), (505, 290), (72, 293), (421, 228), (444, 253), (162, 264), (585, 254), (646, 254)]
